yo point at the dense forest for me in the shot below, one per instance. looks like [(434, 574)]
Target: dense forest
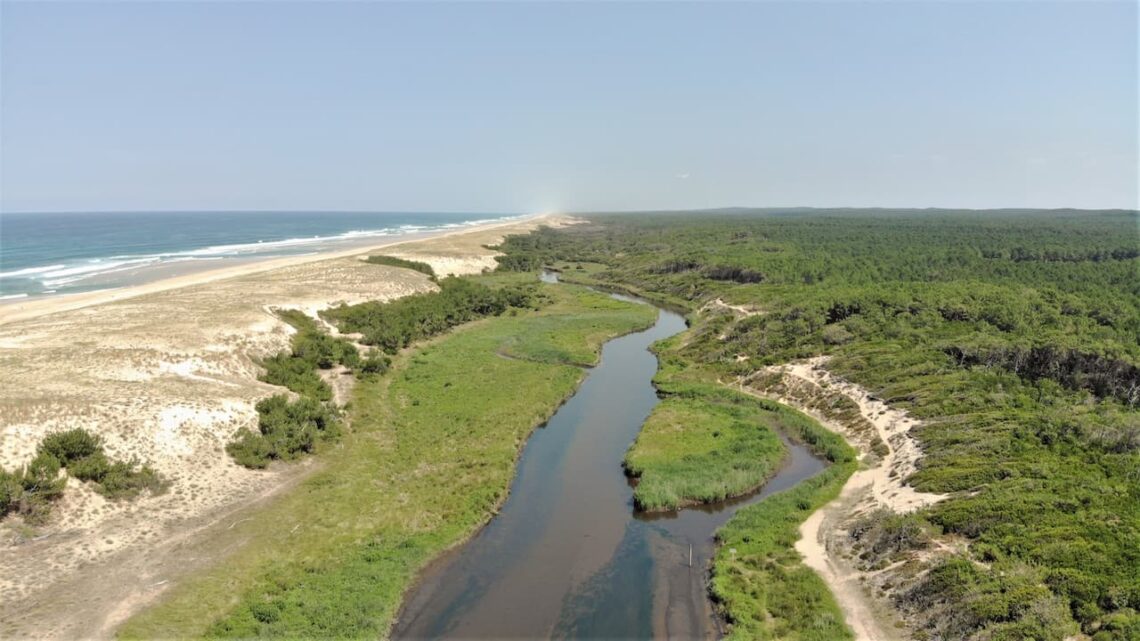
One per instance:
[(1013, 335)]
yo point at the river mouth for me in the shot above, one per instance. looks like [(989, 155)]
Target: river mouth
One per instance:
[(568, 556)]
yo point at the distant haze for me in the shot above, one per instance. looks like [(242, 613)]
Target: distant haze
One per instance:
[(551, 106)]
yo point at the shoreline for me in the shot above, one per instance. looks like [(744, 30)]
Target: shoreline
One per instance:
[(27, 308)]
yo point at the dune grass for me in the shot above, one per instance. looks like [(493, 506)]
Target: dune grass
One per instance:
[(429, 456)]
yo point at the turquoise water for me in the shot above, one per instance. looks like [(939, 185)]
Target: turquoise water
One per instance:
[(58, 253)]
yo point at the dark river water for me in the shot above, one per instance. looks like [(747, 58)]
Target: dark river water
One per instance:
[(568, 556)]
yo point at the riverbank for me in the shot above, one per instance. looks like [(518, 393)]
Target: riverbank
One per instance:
[(165, 373)]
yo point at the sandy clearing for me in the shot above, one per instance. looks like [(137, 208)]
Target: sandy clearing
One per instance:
[(165, 373), (882, 483), (743, 310)]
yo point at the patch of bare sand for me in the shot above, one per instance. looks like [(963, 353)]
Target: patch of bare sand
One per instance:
[(882, 434), (165, 376)]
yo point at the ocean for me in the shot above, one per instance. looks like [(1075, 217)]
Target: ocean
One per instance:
[(44, 254)]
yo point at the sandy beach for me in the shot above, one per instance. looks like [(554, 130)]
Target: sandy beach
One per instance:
[(166, 372)]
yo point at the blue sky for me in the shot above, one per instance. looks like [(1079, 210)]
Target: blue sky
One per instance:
[(514, 107)]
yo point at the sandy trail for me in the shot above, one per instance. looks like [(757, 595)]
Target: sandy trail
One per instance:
[(165, 373), (810, 388), (744, 310)]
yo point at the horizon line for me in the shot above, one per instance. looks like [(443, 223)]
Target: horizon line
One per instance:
[(762, 208)]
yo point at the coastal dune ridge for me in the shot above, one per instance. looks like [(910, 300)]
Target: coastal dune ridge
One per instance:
[(165, 372)]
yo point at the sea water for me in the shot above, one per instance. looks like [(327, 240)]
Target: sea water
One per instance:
[(44, 254)]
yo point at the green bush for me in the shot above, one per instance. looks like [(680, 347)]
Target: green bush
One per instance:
[(71, 445), (375, 363), (11, 488), (30, 491), (122, 480), (250, 449), (883, 533), (93, 467), (285, 431), (297, 375)]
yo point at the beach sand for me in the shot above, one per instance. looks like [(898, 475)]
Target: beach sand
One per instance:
[(165, 372)]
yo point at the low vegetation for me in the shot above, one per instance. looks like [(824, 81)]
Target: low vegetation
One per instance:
[(430, 456), (31, 490), (700, 451), (1013, 335), (285, 430), (393, 261)]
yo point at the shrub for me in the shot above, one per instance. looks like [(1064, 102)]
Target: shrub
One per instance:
[(836, 335), (883, 533), (250, 449), (31, 491), (10, 490), (122, 480), (296, 375), (71, 445), (93, 467), (375, 363), (285, 430), (395, 325)]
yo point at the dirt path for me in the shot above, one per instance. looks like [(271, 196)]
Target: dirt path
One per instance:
[(810, 388)]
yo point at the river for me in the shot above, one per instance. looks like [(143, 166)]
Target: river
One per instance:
[(568, 556)]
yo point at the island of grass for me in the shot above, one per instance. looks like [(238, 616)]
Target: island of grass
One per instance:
[(696, 450), (429, 457)]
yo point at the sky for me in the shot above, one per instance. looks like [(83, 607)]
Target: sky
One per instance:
[(541, 106)]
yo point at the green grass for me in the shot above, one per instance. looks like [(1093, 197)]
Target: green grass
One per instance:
[(700, 451), (430, 455)]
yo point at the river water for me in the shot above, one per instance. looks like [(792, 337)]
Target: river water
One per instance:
[(568, 556)]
